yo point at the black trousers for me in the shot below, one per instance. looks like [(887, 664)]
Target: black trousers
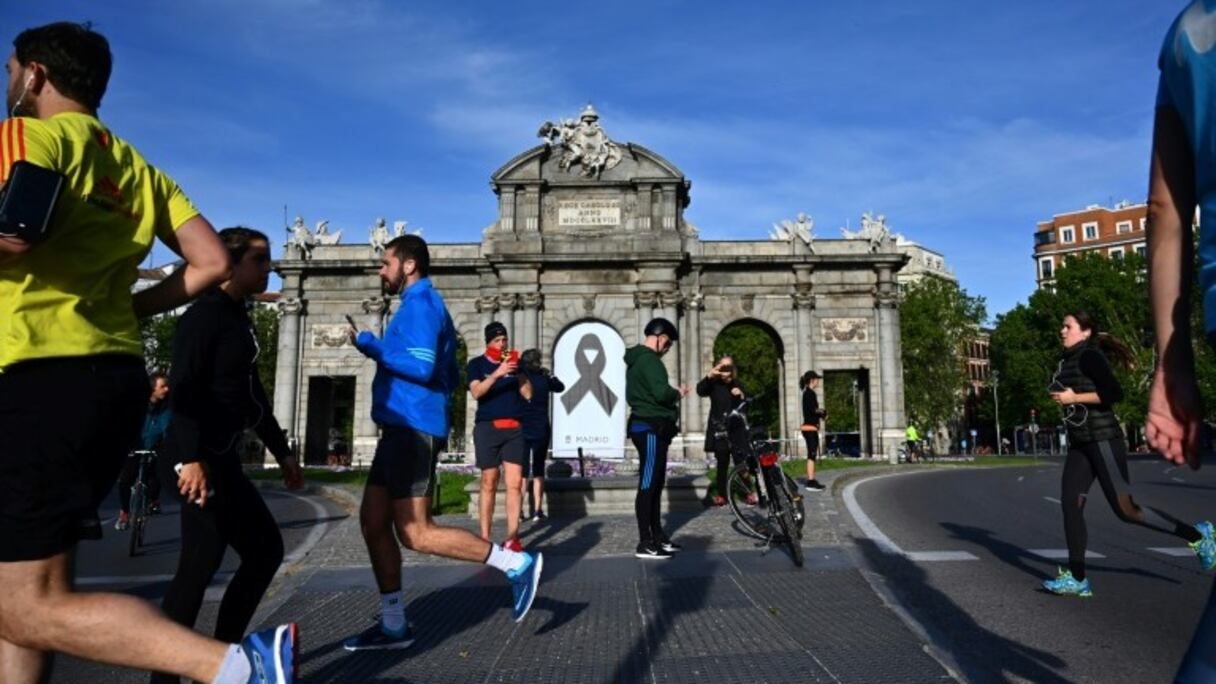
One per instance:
[(1106, 462), (238, 517), (652, 475)]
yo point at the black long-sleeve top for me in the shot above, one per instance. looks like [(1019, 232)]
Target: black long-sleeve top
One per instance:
[(217, 394), (721, 402), (811, 413), (1095, 367)]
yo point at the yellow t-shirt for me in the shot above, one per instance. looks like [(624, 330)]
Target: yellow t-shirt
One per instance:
[(70, 295)]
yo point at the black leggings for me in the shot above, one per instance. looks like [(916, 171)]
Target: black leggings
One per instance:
[(237, 517), (535, 451), (652, 474), (1106, 461)]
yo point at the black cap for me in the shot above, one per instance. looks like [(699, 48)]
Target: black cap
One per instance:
[(662, 326), (809, 376), (495, 329)]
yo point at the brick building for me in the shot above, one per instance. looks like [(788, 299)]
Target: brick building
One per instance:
[(1110, 232)]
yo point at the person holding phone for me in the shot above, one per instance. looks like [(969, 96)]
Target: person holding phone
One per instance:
[(498, 440), (724, 393), (812, 415), (1086, 389)]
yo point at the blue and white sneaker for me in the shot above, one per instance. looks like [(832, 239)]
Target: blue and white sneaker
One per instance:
[(1066, 585), (376, 638), (524, 581), (1205, 548), (272, 654)]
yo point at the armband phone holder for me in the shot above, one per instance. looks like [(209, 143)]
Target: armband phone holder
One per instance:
[(28, 200)]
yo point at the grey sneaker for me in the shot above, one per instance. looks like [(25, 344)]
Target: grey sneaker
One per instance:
[(374, 638)]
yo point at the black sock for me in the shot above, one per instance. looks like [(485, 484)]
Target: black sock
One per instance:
[(1078, 571), (1190, 534)]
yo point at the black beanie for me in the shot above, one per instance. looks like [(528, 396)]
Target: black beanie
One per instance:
[(494, 329)]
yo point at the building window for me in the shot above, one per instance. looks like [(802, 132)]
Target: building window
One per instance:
[(1116, 252), (1143, 222), (1046, 237), (1089, 231), (1046, 267), (1068, 235), (1123, 227), (1142, 250)]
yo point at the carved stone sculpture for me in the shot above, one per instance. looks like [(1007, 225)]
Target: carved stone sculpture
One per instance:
[(379, 236), (584, 143), (799, 229), (301, 238), (323, 236)]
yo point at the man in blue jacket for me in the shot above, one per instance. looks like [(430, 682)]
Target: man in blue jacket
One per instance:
[(416, 374)]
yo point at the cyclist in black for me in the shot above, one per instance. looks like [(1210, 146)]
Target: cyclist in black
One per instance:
[(811, 415), (156, 423), (724, 392), (217, 395), (538, 431), (1087, 390)]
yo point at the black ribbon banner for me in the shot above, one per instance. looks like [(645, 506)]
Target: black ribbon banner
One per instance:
[(589, 376)]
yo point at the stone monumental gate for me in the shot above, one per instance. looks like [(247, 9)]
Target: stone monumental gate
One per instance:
[(592, 231)]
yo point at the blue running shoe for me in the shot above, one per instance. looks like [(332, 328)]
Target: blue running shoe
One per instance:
[(1066, 585), (375, 638), (1205, 548), (272, 654), (524, 581)]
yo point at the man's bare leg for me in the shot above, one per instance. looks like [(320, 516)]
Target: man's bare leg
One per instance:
[(376, 520), (485, 505), (420, 533), (40, 613), (515, 497), (22, 665)]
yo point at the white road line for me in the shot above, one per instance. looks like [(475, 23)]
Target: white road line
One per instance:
[(1178, 551), (1054, 501), (1021, 477), (1059, 554), (1177, 479), (883, 541)]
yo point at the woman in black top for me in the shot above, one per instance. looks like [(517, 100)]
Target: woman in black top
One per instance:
[(811, 415), (216, 397), (1086, 390), (724, 394), (537, 429)]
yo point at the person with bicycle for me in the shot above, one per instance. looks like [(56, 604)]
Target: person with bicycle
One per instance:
[(912, 436), (724, 392), (654, 412), (156, 423), (217, 396), (811, 415)]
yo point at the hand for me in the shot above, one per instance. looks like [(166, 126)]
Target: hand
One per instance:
[(192, 483), (736, 392), (1064, 398), (684, 391), (505, 368), (293, 474), (1174, 421)]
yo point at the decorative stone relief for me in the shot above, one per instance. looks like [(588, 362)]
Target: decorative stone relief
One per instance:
[(803, 300), (588, 304), (508, 301), (330, 336), (375, 305), (583, 143), (646, 300), (799, 229), (532, 300), (844, 329), (291, 305), (748, 303), (670, 299), (694, 302), (488, 304)]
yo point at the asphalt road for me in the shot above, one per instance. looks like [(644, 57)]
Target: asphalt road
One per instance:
[(988, 613)]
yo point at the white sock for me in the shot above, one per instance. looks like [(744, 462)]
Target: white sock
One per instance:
[(504, 559), (235, 668), (392, 612)]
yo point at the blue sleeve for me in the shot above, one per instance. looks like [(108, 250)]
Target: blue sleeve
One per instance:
[(406, 351)]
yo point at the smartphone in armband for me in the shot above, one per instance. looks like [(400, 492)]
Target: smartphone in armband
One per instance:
[(27, 201)]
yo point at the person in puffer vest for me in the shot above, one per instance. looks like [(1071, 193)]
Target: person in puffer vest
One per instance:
[(1086, 389)]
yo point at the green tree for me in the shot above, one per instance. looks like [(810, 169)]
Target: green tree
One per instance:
[(937, 320), (157, 336), (840, 400), (266, 330), (757, 364)]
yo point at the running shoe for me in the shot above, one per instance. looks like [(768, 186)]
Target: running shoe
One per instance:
[(719, 501), (123, 522), (815, 486), (539, 517), (652, 551), (524, 581), (1065, 585), (513, 544), (1205, 548), (375, 638), (272, 654), (668, 545)]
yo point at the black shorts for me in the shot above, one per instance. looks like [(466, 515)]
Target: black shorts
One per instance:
[(405, 462), (812, 444), (66, 426), (495, 446)]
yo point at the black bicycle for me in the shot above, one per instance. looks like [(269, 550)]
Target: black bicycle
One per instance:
[(762, 496), (141, 503)]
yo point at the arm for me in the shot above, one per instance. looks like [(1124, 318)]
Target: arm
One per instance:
[(207, 265), (525, 387), (556, 386), (704, 386), (1173, 423), (656, 384), (193, 341), (481, 386), (407, 351)]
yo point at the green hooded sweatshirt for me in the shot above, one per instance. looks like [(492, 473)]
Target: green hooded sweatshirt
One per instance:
[(647, 391)]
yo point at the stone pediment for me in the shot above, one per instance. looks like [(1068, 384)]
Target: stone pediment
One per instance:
[(543, 163)]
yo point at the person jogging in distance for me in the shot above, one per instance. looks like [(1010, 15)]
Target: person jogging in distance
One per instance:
[(416, 373), (724, 392), (1086, 390), (538, 431), (653, 414), (811, 415)]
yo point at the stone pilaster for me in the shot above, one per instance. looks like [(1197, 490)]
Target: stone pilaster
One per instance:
[(507, 303), (890, 365), (287, 366), (531, 302), (486, 306), (694, 413)]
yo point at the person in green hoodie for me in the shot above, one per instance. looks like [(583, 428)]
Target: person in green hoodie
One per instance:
[(654, 408)]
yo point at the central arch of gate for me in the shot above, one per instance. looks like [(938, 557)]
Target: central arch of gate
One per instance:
[(600, 236)]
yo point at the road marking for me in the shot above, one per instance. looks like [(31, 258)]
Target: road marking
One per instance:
[(1021, 477), (1177, 479), (1054, 501), (883, 541), (1059, 554), (314, 535), (1177, 551)]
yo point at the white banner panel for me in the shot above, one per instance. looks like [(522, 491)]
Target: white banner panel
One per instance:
[(590, 360)]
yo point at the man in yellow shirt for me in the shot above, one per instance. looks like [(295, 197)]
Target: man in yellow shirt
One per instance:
[(72, 380)]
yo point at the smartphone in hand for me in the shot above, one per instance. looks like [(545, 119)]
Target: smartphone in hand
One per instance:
[(352, 323)]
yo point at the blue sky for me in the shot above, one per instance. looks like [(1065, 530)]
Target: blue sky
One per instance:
[(964, 127)]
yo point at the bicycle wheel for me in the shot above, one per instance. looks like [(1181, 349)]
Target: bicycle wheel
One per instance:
[(791, 528), (753, 519), (137, 520)]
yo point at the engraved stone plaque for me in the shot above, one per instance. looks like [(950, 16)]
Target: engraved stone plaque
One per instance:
[(589, 212)]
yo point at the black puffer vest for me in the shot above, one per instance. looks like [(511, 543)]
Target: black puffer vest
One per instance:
[(1088, 422)]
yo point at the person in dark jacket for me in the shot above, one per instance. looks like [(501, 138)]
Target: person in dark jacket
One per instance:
[(811, 415), (156, 423), (1087, 390), (538, 431), (722, 388), (654, 411), (217, 395)]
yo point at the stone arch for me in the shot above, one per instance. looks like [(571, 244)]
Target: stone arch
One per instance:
[(571, 312)]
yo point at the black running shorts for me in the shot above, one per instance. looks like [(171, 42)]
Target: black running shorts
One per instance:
[(494, 446), (405, 462)]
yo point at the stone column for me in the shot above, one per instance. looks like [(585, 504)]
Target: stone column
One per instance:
[(506, 315), (669, 308), (804, 350), (890, 366), (694, 414), (531, 303), (645, 303), (287, 366)]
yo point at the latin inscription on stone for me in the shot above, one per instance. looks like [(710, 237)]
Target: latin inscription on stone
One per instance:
[(589, 212)]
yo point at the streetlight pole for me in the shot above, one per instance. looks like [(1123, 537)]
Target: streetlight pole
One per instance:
[(996, 397)]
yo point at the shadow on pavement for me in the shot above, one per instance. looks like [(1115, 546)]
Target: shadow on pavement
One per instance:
[(1018, 557), (309, 522), (987, 656), (675, 597)]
